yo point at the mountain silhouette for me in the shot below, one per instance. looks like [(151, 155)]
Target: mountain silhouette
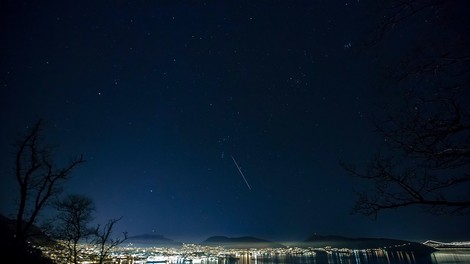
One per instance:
[(240, 242), (318, 241), (152, 240)]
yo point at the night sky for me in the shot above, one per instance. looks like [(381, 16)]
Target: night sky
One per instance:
[(159, 96)]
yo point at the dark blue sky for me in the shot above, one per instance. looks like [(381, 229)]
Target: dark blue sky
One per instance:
[(159, 95)]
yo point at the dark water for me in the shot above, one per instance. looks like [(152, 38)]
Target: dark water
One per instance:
[(362, 257)]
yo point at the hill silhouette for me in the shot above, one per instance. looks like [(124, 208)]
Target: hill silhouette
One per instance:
[(317, 241), (240, 242), (152, 240)]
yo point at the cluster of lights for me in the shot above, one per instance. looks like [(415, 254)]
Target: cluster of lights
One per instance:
[(194, 253)]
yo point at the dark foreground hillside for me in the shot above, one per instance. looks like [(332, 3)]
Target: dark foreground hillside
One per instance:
[(16, 252)]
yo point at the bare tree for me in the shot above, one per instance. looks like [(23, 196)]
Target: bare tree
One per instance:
[(395, 13), (427, 161), (38, 178), (72, 224), (104, 241)]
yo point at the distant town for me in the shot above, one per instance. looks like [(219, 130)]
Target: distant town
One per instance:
[(196, 253)]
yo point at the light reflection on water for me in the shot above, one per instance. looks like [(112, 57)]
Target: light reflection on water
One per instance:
[(360, 257), (451, 257)]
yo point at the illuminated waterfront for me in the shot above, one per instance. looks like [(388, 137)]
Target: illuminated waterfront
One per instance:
[(197, 254)]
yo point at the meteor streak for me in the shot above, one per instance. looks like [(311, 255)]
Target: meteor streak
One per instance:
[(241, 173)]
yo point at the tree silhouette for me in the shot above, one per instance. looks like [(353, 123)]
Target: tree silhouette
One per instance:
[(38, 178), (72, 226), (428, 136), (104, 241)]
